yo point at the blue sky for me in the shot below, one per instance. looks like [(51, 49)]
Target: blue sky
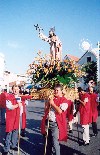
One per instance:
[(74, 20)]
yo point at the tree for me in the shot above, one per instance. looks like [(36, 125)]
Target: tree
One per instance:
[(91, 72)]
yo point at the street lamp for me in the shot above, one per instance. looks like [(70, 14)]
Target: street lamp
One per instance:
[(98, 62)]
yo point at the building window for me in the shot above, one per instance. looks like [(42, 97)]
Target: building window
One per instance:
[(88, 59)]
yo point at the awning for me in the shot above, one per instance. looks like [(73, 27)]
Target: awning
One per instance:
[(29, 86)]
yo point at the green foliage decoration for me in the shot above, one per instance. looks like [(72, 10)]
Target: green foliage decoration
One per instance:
[(47, 71)]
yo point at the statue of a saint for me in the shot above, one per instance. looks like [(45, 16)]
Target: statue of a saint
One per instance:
[(55, 44)]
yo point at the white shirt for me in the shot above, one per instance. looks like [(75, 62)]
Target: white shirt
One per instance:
[(86, 99), (52, 116), (26, 102), (9, 105)]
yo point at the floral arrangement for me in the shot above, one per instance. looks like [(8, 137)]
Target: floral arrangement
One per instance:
[(47, 71)]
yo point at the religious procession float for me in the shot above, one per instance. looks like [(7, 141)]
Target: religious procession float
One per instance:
[(50, 69)]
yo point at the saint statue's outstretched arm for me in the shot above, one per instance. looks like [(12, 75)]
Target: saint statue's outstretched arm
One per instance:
[(44, 38)]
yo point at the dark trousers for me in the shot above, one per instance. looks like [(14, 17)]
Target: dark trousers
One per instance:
[(53, 146), (94, 127), (3, 111), (11, 140)]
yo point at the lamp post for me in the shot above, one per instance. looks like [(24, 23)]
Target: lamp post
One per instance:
[(98, 62)]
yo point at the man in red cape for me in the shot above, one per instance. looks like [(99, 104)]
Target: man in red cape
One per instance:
[(24, 99), (57, 121), (70, 115), (13, 105), (94, 104), (3, 96), (85, 114)]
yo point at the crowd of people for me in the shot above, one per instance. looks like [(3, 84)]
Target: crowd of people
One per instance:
[(61, 111)]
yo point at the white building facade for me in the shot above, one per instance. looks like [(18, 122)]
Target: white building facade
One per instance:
[(2, 68), (6, 77), (90, 56)]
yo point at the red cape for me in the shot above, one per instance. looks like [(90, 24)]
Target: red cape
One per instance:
[(94, 104), (12, 116), (70, 110), (3, 97), (23, 99), (85, 110), (60, 118)]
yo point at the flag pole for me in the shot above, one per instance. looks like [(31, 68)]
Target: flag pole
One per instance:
[(19, 138), (47, 130), (19, 129), (76, 113)]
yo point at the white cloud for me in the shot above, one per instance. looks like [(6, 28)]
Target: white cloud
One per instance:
[(13, 44)]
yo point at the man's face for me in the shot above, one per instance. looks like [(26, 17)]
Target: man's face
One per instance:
[(16, 90), (58, 91), (91, 89), (81, 92)]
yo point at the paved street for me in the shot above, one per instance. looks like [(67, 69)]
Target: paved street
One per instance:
[(32, 144)]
